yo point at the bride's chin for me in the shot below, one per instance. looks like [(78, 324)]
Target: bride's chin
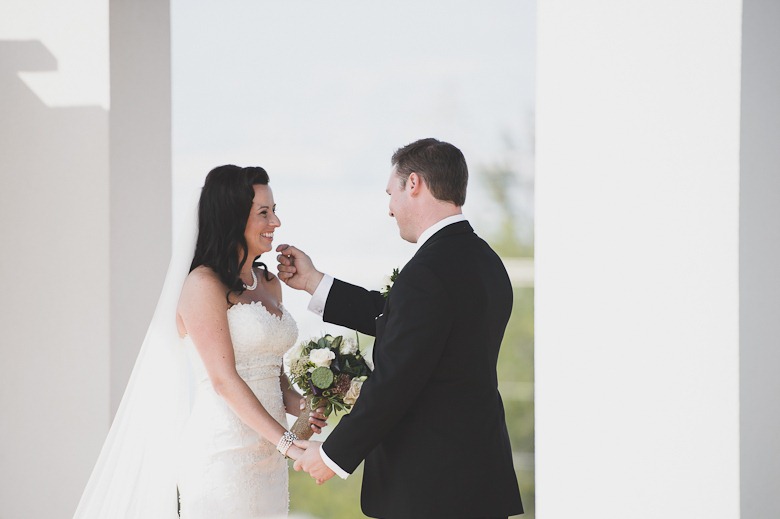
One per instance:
[(261, 250)]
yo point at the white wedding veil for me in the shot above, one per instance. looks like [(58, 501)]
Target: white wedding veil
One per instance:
[(135, 474)]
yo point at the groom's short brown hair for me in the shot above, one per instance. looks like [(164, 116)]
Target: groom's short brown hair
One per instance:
[(441, 166)]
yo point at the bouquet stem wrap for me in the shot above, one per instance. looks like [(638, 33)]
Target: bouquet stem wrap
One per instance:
[(301, 427)]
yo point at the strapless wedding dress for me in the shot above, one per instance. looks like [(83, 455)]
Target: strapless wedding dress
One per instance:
[(226, 469)]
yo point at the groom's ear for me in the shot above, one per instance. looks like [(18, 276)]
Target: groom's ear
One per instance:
[(414, 182)]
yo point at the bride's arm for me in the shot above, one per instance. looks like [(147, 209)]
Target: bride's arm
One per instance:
[(203, 310), (293, 401)]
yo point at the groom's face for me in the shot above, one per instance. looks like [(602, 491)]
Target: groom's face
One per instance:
[(399, 206)]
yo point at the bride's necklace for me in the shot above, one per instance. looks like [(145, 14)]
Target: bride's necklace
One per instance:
[(254, 281)]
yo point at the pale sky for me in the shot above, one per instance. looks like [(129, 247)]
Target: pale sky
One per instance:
[(321, 94)]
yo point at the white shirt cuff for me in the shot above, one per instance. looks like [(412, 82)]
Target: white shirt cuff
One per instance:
[(332, 465), (320, 295)]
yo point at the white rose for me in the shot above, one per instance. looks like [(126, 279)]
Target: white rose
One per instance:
[(348, 346), (321, 357), (353, 392)]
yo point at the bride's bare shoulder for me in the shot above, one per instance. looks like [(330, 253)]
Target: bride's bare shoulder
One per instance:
[(203, 294), (202, 282), (202, 271)]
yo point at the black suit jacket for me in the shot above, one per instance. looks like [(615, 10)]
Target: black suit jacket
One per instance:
[(430, 421)]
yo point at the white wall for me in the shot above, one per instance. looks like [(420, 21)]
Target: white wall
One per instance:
[(54, 302), (637, 259), (85, 231)]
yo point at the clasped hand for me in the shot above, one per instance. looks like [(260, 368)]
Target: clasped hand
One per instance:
[(317, 420), (311, 461)]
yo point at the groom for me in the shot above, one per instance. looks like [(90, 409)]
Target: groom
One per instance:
[(429, 421)]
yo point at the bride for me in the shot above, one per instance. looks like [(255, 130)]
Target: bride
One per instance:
[(212, 431)]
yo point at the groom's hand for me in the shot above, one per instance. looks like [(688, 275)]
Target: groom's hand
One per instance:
[(311, 461), (296, 269)]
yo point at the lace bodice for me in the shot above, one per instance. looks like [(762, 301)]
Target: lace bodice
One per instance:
[(259, 338)]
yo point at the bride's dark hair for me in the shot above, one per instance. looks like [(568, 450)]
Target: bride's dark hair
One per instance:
[(223, 209)]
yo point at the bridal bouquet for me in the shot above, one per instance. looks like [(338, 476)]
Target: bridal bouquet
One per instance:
[(330, 372)]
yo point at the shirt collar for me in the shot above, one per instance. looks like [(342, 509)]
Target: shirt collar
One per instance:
[(441, 224)]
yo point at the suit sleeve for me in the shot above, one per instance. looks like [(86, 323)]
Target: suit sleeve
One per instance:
[(354, 307), (414, 331)]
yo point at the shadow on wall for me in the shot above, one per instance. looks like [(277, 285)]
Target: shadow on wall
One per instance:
[(54, 299)]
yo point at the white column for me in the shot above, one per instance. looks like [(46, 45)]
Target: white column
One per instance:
[(140, 174), (759, 261), (637, 259)]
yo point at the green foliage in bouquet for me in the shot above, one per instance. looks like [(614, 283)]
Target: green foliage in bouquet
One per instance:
[(330, 371)]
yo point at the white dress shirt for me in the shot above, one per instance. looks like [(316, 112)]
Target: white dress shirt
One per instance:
[(320, 297)]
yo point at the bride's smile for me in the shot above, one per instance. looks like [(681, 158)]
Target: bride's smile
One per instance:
[(261, 223)]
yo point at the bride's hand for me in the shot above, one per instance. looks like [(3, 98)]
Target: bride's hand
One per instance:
[(294, 452)]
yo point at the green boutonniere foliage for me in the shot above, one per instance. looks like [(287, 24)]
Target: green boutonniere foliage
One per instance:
[(389, 284)]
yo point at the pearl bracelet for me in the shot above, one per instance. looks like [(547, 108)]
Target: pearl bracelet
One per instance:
[(285, 442)]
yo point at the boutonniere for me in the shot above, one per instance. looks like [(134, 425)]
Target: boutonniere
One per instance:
[(389, 282)]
